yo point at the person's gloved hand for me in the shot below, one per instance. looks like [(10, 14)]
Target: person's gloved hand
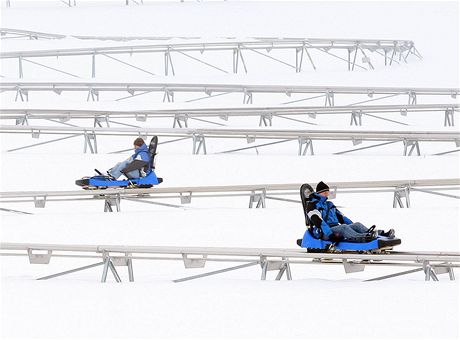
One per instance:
[(335, 237)]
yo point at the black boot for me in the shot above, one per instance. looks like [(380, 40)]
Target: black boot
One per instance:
[(390, 233)]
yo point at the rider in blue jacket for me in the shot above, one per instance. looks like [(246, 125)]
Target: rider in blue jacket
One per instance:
[(330, 224), (135, 166)]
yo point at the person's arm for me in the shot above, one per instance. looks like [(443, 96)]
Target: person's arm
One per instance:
[(316, 219), (342, 218)]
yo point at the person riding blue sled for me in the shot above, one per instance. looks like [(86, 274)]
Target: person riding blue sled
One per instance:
[(138, 169), (330, 228)]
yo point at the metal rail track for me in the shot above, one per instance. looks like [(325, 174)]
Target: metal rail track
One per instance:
[(269, 259)]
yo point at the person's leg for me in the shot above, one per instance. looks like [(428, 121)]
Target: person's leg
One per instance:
[(358, 227), (116, 170), (346, 231), (133, 174)]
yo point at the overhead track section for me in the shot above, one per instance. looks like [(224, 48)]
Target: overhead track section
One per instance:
[(391, 51)]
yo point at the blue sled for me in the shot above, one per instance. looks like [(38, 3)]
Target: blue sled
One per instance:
[(315, 244), (101, 181)]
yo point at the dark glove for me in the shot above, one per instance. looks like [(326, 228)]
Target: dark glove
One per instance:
[(335, 237)]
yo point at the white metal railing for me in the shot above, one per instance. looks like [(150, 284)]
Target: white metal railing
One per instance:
[(270, 259), (257, 193), (392, 51), (181, 116), (305, 138)]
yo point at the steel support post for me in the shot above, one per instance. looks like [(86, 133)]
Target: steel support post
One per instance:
[(168, 95), (304, 145), (93, 94), (264, 266), (413, 144), (429, 272), (394, 52), (282, 267), (130, 270), (258, 198), (179, 119), (108, 264), (247, 98), (285, 267), (449, 117), (451, 274), (349, 59), (266, 119), (298, 61), (21, 74), (20, 93), (110, 201), (354, 59), (412, 98), (22, 120), (237, 54), (90, 142), (356, 118), (329, 98), (400, 193), (93, 66), (168, 62), (198, 144)]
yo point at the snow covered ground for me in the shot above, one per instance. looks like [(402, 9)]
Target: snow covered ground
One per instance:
[(321, 301)]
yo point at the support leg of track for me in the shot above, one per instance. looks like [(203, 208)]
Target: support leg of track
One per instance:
[(304, 145), (108, 264), (449, 117), (258, 198), (111, 201)]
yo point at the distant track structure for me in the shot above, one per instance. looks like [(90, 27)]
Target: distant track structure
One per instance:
[(391, 51)]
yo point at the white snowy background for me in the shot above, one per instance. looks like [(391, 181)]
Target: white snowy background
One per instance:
[(321, 301)]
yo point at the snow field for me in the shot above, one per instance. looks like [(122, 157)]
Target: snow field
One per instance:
[(322, 301)]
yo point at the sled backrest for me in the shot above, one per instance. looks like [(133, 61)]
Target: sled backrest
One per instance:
[(153, 151), (305, 191)]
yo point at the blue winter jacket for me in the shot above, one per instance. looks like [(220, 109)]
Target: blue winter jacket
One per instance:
[(142, 153), (330, 215)]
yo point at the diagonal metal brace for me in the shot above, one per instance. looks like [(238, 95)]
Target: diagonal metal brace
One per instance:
[(401, 192), (449, 117), (199, 143), (304, 145), (258, 198), (413, 145), (281, 265)]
